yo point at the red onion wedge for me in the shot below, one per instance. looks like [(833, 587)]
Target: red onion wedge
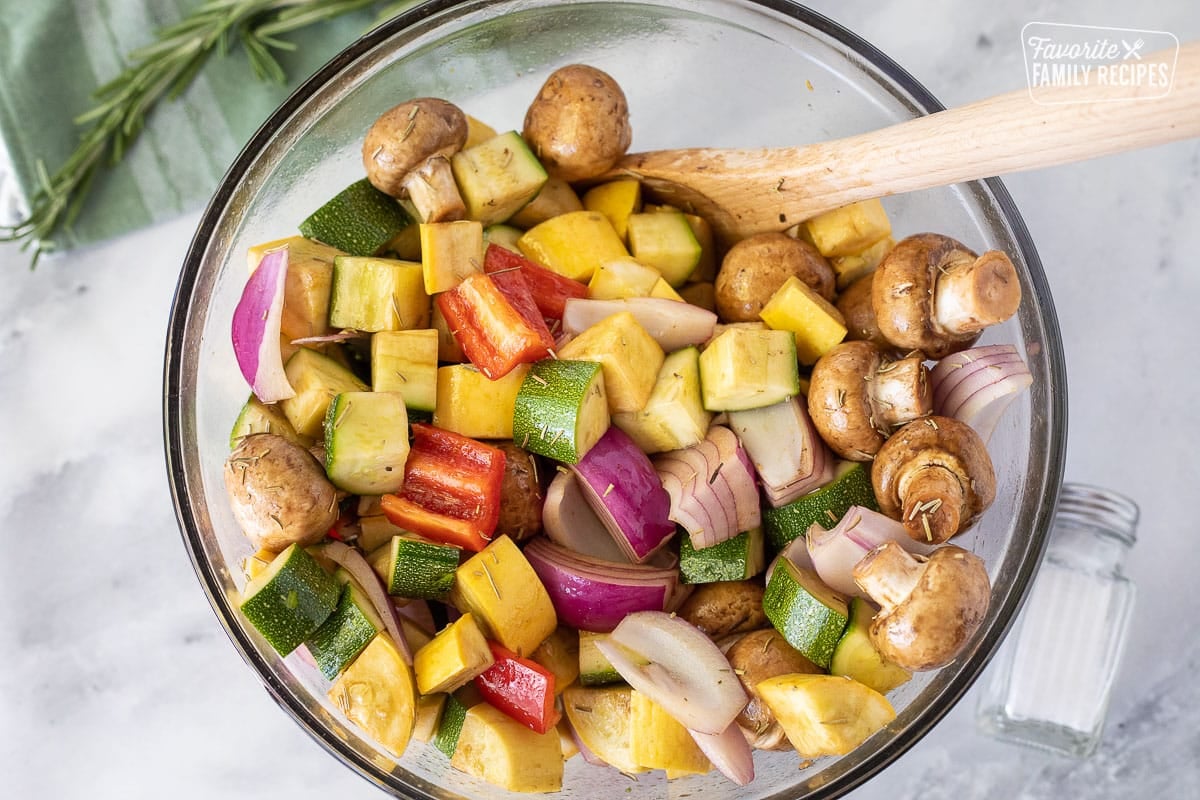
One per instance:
[(256, 329), (713, 491), (669, 322), (568, 519), (623, 489), (976, 386), (353, 562), (834, 552), (595, 595), (675, 665), (729, 752), (790, 457)]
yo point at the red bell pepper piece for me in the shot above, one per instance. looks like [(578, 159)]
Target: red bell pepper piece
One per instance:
[(451, 489), (521, 688), (493, 334), (550, 290)]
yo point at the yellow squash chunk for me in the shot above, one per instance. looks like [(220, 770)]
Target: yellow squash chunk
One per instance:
[(316, 379), (849, 229), (429, 714), (559, 653), (706, 270), (848, 269), (377, 294), (566, 740), (622, 278), (616, 200), (665, 291), (450, 251), (406, 362), (665, 241), (456, 655), (825, 715), (495, 747), (407, 243), (658, 741), (471, 404), (306, 290), (555, 197), (506, 597), (376, 530), (797, 308), (601, 718), (674, 416), (377, 693), (477, 132), (628, 355), (573, 244)]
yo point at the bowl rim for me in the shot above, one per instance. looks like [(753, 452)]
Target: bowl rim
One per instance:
[(175, 443)]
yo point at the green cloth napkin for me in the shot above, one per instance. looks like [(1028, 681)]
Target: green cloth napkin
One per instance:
[(55, 53)]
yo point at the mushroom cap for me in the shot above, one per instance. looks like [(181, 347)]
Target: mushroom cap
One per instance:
[(902, 294), (578, 125), (927, 627), (406, 136), (755, 657), (855, 304), (754, 269), (279, 493), (934, 459), (839, 404)]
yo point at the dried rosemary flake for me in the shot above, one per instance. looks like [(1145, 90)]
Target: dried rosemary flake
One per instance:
[(712, 478), (925, 525), (491, 580), (540, 380), (608, 490)]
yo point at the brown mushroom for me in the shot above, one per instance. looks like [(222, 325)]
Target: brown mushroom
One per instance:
[(857, 395), (755, 657), (935, 476), (279, 493), (407, 152), (855, 305), (726, 607), (756, 267), (929, 607), (931, 293), (578, 125), (520, 494)]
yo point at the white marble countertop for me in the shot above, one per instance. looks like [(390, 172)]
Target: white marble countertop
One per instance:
[(116, 680)]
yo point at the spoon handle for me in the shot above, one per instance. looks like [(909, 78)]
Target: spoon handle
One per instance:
[(750, 191), (1003, 134)]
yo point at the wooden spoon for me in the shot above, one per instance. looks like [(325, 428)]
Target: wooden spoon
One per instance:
[(748, 191)]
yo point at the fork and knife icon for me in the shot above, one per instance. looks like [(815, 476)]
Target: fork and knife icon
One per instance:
[(1132, 50)]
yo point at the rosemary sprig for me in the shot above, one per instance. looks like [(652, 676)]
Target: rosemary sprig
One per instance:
[(162, 70)]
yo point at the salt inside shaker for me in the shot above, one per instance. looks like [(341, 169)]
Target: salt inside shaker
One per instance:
[(1050, 682)]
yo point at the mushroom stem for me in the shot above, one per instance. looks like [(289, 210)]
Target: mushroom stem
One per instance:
[(900, 391), (888, 574), (932, 502), (971, 294), (433, 191)]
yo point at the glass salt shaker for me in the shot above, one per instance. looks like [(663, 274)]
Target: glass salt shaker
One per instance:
[(1050, 682)]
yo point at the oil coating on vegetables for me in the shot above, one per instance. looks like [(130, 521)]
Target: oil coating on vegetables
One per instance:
[(555, 546)]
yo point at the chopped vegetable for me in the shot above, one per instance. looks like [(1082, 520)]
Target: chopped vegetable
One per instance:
[(451, 489), (521, 688), (256, 329), (492, 333)]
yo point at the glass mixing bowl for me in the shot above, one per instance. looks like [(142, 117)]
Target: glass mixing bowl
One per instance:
[(696, 72)]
